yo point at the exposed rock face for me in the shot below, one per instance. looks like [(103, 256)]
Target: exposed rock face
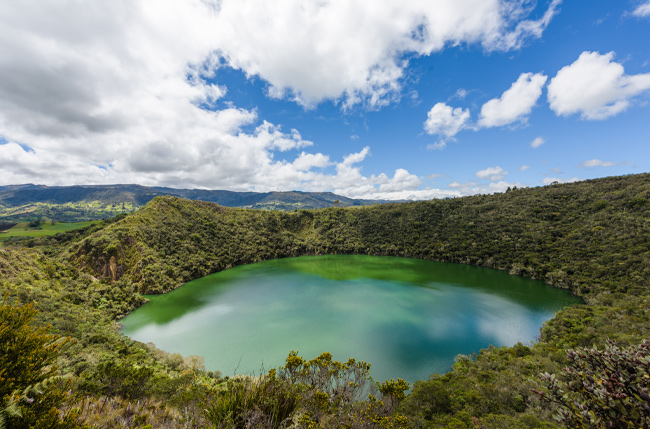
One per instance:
[(112, 266), (101, 267)]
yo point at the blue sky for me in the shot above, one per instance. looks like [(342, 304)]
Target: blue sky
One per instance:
[(389, 99)]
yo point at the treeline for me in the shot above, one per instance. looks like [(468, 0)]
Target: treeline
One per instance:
[(592, 238)]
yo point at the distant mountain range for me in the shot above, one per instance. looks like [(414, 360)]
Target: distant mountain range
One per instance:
[(77, 203)]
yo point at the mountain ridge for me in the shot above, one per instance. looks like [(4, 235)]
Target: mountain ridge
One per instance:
[(91, 202)]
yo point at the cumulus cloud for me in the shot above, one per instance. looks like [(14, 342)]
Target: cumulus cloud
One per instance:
[(537, 142), (515, 103), (472, 188), (491, 173), (599, 163), (594, 86), (307, 161), (524, 167), (446, 121), (350, 182), (642, 10), (413, 194), (353, 50), (123, 92), (552, 180), (21, 165)]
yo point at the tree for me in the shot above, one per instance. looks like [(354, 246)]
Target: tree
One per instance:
[(31, 391)]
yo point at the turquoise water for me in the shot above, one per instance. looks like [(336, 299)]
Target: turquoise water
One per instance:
[(408, 317)]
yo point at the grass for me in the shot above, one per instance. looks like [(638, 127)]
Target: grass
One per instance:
[(24, 230), (65, 212)]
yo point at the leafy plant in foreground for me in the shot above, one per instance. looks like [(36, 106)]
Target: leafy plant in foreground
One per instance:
[(342, 394), (603, 388), (264, 402), (31, 391), (317, 393)]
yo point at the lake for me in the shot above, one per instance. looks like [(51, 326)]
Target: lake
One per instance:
[(409, 318)]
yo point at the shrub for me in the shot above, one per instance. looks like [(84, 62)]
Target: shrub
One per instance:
[(32, 394), (603, 388), (266, 402)]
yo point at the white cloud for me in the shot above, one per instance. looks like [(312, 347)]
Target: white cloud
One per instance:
[(552, 180), (353, 50), (502, 186), (524, 167), (526, 28), (445, 120), (472, 188), (599, 163), (307, 161), (22, 166), (118, 91), (642, 10), (461, 93), (537, 142), (349, 181), (594, 86), (402, 180), (515, 103), (413, 195), (439, 145), (492, 173)]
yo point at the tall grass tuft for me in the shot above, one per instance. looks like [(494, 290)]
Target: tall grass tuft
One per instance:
[(253, 402)]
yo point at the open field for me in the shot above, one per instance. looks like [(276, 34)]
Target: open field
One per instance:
[(66, 212), (24, 230)]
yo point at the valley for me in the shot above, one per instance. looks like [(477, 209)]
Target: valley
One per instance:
[(85, 203), (590, 238)]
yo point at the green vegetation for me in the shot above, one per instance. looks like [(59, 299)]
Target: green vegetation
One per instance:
[(38, 228), (82, 203), (592, 238), (31, 391), (315, 393), (70, 212), (607, 388)]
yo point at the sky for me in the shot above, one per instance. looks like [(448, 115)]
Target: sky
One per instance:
[(382, 99)]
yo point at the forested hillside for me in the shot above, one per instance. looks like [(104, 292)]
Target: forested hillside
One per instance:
[(590, 237), (81, 203)]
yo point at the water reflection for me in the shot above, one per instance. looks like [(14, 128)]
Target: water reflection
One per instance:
[(408, 317)]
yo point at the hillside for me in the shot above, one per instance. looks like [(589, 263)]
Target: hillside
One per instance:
[(80, 203), (567, 235), (592, 238)]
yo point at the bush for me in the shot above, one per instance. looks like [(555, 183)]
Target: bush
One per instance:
[(320, 393), (266, 402), (32, 394), (608, 388)]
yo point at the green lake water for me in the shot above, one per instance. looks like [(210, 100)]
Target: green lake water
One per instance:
[(408, 317)]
